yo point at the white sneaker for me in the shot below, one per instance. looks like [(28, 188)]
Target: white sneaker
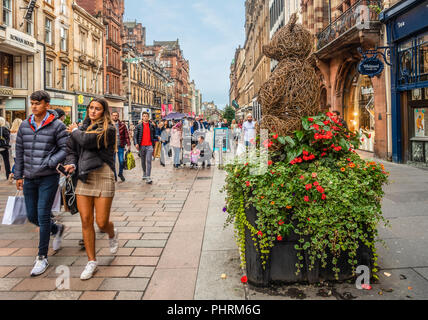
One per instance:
[(40, 266), (89, 271), (56, 243), (114, 242)]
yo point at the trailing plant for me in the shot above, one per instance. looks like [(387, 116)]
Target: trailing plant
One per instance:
[(315, 185)]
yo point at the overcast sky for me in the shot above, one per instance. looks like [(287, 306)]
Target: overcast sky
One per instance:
[(208, 31)]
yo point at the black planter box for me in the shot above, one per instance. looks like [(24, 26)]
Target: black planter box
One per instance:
[(281, 264)]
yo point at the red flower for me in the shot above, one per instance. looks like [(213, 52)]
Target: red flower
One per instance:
[(270, 162), (281, 222), (315, 126), (306, 198), (244, 279), (260, 234), (308, 186), (247, 183), (314, 175), (302, 177), (326, 122), (320, 189), (316, 184), (309, 219), (279, 238), (246, 164), (369, 136), (349, 160), (275, 136), (323, 154), (325, 149), (323, 196), (305, 153), (329, 114)]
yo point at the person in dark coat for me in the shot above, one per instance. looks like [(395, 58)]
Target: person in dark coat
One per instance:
[(145, 140), (336, 116), (40, 147), (5, 145), (122, 141), (90, 152)]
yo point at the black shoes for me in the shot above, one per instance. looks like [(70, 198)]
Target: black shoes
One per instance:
[(122, 177)]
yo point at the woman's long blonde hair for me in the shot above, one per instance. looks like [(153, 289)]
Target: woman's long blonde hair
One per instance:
[(102, 123), (15, 125)]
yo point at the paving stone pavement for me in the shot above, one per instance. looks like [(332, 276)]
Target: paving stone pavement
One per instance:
[(160, 236)]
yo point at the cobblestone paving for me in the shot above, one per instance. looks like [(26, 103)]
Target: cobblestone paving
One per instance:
[(145, 216)]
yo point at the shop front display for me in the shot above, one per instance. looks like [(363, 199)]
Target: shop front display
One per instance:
[(359, 110), (418, 124), (15, 109)]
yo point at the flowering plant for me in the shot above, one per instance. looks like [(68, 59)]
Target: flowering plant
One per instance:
[(315, 185)]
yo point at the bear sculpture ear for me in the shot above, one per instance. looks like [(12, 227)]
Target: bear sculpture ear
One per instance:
[(292, 22)]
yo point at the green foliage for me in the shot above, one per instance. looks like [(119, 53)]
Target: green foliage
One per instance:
[(316, 186), (229, 114), (67, 120)]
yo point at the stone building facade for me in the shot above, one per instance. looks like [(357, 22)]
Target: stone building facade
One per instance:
[(340, 30), (21, 58), (171, 58), (134, 35), (111, 13)]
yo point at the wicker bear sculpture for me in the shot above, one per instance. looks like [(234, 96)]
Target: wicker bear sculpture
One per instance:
[(293, 89)]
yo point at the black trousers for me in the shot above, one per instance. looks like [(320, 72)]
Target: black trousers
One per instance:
[(5, 155)]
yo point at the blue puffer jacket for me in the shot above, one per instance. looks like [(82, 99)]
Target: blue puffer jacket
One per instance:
[(38, 152)]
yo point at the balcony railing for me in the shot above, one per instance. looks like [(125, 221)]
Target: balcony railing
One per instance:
[(359, 15)]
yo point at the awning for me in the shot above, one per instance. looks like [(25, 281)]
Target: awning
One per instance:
[(61, 102), (15, 104)]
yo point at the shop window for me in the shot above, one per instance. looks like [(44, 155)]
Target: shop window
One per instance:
[(18, 80), (6, 72), (7, 12), (420, 116), (423, 57)]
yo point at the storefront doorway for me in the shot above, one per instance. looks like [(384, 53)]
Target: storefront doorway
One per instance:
[(418, 125), (359, 108)]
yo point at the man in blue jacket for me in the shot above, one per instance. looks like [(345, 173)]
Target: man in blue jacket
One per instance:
[(40, 147)]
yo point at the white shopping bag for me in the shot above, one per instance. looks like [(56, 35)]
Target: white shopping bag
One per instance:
[(15, 212), (240, 149), (56, 207)]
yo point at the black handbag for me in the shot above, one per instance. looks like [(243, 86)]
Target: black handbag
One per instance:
[(70, 202), (3, 142), (169, 153)]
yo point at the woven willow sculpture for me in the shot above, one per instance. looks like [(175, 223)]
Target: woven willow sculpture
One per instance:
[(293, 89)]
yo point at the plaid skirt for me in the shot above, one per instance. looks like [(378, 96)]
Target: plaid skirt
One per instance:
[(100, 184)]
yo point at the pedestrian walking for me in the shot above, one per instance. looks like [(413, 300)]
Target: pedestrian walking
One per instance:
[(249, 130), (205, 154), (5, 145), (165, 137), (122, 137), (336, 116), (176, 142), (40, 147), (91, 151), (13, 134), (144, 140), (158, 143), (61, 114)]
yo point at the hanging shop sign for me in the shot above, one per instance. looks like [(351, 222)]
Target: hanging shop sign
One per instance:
[(370, 67)]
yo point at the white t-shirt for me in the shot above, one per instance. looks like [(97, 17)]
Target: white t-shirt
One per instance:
[(249, 129)]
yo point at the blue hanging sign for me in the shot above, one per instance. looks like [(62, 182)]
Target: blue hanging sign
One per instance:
[(370, 66)]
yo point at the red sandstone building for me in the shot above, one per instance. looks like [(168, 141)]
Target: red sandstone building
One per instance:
[(171, 57), (360, 99), (135, 35), (112, 13)]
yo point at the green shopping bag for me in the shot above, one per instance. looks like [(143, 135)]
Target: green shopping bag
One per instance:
[(129, 160)]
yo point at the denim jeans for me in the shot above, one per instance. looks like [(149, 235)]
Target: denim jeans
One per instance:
[(39, 195), (121, 156), (146, 154), (177, 155)]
